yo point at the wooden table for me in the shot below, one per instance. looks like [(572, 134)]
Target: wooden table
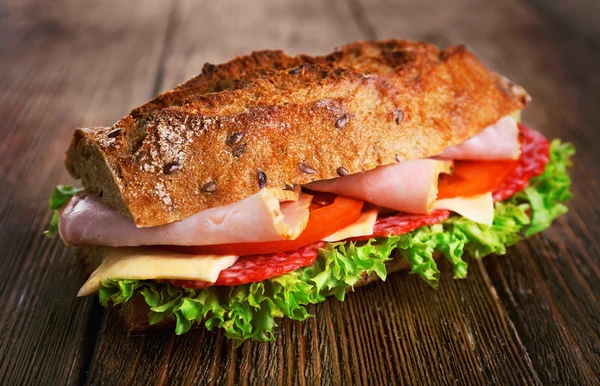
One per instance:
[(531, 317)]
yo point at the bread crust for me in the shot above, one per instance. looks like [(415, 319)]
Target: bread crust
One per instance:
[(289, 120)]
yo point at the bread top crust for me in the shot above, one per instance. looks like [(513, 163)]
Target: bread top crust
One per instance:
[(271, 120)]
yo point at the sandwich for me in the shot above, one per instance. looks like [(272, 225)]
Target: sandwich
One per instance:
[(271, 182)]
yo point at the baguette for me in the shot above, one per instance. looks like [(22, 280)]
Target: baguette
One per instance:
[(268, 119)]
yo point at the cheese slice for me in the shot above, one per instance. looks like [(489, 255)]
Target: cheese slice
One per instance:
[(142, 263), (362, 227), (479, 208)]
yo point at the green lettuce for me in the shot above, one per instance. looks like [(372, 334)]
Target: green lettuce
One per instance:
[(548, 191), (58, 199), (250, 311)]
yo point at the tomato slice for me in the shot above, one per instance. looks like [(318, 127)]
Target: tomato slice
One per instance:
[(474, 177), (324, 220)]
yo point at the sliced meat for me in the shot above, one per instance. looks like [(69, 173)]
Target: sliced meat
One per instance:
[(496, 142), (408, 186), (532, 162), (270, 215), (534, 158), (400, 223), (250, 269)]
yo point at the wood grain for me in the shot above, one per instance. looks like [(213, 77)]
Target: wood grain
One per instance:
[(551, 279), (530, 317), (399, 331), (59, 64)]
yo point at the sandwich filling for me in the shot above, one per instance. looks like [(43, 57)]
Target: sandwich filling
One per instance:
[(279, 250), (271, 214)]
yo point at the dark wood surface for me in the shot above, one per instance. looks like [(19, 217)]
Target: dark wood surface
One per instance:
[(530, 317)]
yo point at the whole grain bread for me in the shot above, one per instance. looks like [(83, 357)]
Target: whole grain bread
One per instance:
[(269, 119), (134, 312)]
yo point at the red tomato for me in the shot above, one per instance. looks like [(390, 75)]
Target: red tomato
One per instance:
[(323, 221), (474, 177)]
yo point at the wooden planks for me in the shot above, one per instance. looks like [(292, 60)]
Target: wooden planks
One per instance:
[(550, 284), (395, 332), (58, 63), (530, 317), (229, 29)]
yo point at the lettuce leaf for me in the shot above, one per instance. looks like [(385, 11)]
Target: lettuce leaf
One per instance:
[(547, 192), (250, 311), (58, 199)]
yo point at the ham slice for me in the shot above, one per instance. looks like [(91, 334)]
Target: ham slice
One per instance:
[(496, 142), (269, 215), (408, 186), (411, 186)]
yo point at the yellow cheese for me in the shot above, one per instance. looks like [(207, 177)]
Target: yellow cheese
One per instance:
[(516, 115), (362, 227), (479, 208), (143, 263)]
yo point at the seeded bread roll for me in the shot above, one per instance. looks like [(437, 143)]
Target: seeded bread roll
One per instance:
[(268, 119), (134, 313)]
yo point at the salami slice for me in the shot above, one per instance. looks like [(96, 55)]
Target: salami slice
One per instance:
[(254, 268), (535, 154), (400, 223)]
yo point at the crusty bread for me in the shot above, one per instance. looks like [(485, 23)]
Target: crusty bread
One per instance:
[(288, 120), (134, 313)]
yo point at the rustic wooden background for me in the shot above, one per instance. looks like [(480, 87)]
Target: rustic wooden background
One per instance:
[(531, 317)]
